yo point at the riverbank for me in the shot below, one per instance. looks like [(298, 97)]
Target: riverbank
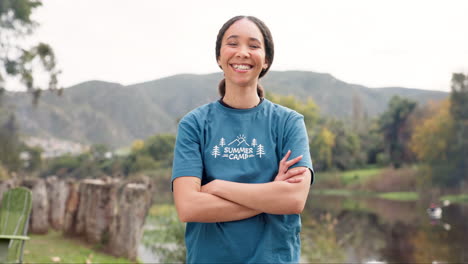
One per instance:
[(404, 184)]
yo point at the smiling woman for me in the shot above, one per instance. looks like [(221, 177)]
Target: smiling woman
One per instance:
[(232, 180)]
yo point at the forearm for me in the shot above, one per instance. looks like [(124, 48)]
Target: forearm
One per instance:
[(196, 206), (278, 197)]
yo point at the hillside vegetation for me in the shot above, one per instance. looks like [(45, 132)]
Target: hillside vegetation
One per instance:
[(108, 113)]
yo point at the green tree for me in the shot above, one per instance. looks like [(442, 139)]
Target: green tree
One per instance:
[(322, 146), (432, 142), (9, 142), (459, 112), (346, 153), (308, 109), (17, 60), (396, 129), (160, 147), (432, 135)]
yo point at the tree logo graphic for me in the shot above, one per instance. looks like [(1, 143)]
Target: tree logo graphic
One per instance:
[(260, 150), (215, 151), (254, 143), (238, 149)]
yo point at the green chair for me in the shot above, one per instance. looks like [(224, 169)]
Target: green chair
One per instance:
[(14, 218)]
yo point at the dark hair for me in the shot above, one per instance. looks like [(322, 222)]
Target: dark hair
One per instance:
[(267, 39)]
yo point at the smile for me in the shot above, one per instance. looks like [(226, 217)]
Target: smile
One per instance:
[(242, 67)]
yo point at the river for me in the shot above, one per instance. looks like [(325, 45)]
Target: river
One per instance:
[(340, 229)]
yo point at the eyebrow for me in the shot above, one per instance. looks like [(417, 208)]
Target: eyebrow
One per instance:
[(236, 37)]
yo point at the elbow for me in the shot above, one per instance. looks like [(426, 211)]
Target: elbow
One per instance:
[(184, 214), (297, 206), (183, 217)]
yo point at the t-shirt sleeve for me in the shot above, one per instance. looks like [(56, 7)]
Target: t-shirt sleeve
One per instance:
[(187, 151), (297, 140)]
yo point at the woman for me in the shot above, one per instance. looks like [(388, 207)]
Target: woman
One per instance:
[(233, 183)]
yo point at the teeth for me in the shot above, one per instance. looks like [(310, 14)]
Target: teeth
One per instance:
[(241, 67)]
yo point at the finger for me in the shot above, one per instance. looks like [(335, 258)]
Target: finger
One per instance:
[(289, 163), (295, 180), (286, 157), (295, 172)]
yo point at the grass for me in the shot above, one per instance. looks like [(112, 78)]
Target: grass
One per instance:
[(460, 198), (360, 175), (341, 192), (399, 196), (396, 196), (53, 247)]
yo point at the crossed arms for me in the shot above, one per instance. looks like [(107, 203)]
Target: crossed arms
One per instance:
[(222, 201)]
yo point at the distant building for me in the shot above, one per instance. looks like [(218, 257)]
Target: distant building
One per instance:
[(53, 147)]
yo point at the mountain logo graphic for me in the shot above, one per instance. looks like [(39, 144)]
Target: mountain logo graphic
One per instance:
[(240, 140)]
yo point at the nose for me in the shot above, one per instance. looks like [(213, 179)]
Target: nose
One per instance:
[(243, 51)]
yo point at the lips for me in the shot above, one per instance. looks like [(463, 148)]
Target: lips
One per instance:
[(242, 67)]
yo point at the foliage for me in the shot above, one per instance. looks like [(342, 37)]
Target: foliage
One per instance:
[(396, 130), (9, 141), (431, 138), (346, 153), (440, 139), (459, 111), (154, 153), (308, 109), (323, 145), (17, 60)]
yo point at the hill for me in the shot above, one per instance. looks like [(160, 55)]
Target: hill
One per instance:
[(113, 114)]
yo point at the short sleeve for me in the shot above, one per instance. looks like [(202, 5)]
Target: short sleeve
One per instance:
[(187, 151), (296, 139)]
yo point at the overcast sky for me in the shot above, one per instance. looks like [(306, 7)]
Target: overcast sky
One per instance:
[(408, 43)]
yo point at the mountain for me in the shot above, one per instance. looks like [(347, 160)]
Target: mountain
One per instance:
[(113, 114)]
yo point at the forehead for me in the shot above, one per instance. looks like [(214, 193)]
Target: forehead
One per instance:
[(244, 28)]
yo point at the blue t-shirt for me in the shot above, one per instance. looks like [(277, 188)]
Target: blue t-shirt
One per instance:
[(241, 145)]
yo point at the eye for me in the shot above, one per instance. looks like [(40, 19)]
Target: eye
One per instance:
[(232, 44), (254, 46)]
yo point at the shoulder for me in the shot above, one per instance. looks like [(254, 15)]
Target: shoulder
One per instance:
[(198, 115)]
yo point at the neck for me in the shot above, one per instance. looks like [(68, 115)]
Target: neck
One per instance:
[(241, 97)]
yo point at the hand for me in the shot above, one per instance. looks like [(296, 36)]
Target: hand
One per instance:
[(290, 175)]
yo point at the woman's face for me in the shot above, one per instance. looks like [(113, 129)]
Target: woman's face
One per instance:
[(242, 54)]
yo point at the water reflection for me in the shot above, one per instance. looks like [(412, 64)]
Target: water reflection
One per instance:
[(345, 230), (365, 230)]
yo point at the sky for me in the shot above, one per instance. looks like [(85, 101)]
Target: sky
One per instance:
[(375, 43)]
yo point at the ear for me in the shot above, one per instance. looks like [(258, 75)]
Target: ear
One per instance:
[(265, 65), (219, 64)]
